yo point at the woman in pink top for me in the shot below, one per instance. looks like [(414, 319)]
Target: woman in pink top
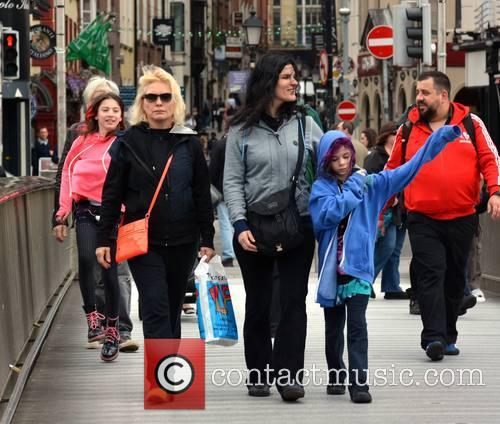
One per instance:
[(83, 176)]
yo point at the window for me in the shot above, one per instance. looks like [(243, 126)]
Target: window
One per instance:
[(177, 15), (276, 25), (87, 12)]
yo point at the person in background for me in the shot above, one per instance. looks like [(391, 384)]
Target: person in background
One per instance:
[(389, 241), (368, 138), (347, 128), (216, 169), (42, 149)]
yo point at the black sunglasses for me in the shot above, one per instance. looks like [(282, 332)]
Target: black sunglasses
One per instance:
[(153, 98)]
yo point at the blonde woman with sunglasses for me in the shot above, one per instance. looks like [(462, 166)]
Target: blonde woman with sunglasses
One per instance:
[(182, 218)]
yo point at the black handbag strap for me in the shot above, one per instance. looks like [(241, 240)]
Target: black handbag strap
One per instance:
[(301, 123)]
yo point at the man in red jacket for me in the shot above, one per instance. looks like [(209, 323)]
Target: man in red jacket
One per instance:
[(440, 203)]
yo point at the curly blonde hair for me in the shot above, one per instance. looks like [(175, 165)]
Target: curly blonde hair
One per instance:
[(150, 75)]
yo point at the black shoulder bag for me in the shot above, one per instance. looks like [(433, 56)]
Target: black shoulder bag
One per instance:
[(275, 223)]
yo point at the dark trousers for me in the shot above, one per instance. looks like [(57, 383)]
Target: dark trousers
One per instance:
[(357, 341), (440, 251), (161, 276), (289, 343), (86, 240), (125, 325)]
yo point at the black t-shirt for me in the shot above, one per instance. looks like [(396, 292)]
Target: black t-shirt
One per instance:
[(273, 123)]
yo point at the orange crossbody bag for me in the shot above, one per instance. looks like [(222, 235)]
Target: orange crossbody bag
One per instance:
[(133, 237)]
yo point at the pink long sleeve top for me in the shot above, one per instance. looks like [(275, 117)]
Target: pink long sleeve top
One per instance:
[(84, 171)]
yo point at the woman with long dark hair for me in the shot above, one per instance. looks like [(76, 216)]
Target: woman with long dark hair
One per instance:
[(268, 140)]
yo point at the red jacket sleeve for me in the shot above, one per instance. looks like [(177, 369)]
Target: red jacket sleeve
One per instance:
[(489, 161)]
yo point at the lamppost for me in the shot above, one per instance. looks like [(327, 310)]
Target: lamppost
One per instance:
[(253, 30)]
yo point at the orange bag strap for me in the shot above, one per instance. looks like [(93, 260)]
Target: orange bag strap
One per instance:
[(158, 187)]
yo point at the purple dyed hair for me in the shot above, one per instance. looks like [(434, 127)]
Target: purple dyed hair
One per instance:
[(332, 151)]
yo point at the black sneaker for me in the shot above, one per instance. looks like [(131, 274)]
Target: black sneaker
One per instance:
[(258, 390), (335, 389), (467, 303), (451, 349), (111, 346), (292, 392), (435, 351), (397, 295), (414, 307), (360, 396)]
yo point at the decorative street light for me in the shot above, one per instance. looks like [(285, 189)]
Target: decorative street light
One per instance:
[(253, 30)]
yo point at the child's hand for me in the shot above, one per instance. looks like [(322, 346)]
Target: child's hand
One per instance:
[(362, 172)]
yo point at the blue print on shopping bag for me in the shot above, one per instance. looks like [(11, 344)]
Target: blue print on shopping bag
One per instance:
[(216, 319)]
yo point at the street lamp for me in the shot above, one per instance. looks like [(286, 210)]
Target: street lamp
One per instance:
[(253, 30)]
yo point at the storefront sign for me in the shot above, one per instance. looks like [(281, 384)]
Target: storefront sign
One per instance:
[(43, 42)]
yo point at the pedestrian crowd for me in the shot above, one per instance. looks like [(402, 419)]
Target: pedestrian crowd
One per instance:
[(286, 183)]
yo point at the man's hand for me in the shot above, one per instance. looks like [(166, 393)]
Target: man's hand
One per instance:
[(494, 206), (208, 252), (103, 255), (247, 241), (60, 232)]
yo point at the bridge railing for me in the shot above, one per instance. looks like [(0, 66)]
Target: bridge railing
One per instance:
[(33, 267)]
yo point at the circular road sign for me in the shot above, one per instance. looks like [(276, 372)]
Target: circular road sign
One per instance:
[(380, 42), (346, 110)]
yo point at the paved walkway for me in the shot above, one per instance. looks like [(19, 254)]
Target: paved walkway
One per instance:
[(71, 385)]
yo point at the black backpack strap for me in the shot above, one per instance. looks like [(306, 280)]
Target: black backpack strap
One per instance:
[(406, 131), (301, 124), (469, 127)]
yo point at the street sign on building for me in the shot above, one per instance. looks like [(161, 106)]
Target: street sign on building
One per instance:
[(346, 110), (233, 48), (380, 42), (163, 30)]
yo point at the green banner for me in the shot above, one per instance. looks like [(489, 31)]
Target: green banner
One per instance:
[(92, 46)]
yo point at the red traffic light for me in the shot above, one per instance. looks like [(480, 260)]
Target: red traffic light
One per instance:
[(10, 40)]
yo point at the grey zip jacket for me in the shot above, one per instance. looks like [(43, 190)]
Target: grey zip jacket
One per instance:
[(266, 164)]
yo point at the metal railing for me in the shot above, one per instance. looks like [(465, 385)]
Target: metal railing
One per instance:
[(34, 272)]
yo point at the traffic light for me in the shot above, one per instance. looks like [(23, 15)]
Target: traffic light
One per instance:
[(412, 34), (10, 48)]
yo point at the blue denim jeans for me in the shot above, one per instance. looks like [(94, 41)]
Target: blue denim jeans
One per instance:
[(390, 272), (384, 247), (226, 232)]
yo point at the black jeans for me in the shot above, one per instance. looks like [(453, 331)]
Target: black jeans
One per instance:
[(86, 240), (161, 276), (125, 282), (357, 342), (289, 343), (440, 251)]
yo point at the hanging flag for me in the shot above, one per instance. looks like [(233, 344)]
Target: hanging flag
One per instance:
[(92, 46)]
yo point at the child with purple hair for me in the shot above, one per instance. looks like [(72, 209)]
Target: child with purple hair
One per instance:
[(345, 204)]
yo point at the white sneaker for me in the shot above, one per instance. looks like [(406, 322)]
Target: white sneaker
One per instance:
[(479, 295)]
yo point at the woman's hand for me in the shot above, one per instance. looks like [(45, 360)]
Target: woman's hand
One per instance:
[(60, 232), (208, 252), (103, 255), (247, 241)]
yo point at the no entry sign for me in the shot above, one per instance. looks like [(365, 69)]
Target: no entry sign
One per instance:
[(379, 42), (346, 110)]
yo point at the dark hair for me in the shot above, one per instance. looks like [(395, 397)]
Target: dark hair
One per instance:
[(91, 115), (332, 151), (389, 128), (441, 81), (260, 90), (371, 136)]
